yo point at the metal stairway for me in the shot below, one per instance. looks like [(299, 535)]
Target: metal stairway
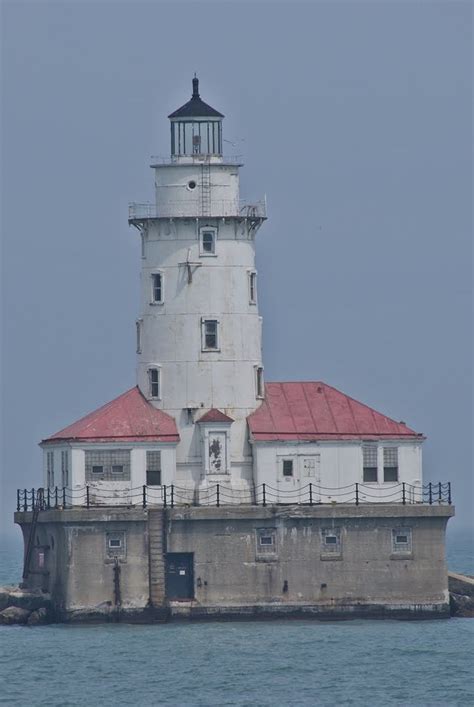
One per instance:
[(156, 552)]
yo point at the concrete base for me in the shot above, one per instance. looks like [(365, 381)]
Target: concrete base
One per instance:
[(191, 611), (203, 563)]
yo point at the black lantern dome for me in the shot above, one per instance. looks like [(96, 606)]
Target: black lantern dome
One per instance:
[(196, 128)]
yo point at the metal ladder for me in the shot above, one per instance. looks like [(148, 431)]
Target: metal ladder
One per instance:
[(38, 505), (205, 189)]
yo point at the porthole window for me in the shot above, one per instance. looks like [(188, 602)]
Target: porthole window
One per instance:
[(191, 184)]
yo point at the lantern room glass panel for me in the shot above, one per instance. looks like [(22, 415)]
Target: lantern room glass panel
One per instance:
[(196, 137)]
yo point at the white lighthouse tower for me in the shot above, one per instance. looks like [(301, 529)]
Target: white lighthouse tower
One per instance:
[(199, 333)]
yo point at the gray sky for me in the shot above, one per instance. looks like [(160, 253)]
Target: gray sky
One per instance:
[(354, 119)]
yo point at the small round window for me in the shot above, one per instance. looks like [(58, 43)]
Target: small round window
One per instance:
[(191, 185)]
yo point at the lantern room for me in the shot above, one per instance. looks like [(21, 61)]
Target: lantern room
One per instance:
[(196, 128)]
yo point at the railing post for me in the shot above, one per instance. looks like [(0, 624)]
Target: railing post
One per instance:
[(48, 497), (440, 492), (144, 495), (87, 497), (64, 497), (25, 500), (32, 499), (404, 498), (172, 495), (217, 496), (430, 493), (357, 494), (264, 496), (18, 499), (310, 493), (164, 495), (449, 492), (56, 497)]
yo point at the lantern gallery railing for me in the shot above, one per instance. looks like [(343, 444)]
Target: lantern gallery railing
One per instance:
[(220, 495), (199, 159), (219, 208)]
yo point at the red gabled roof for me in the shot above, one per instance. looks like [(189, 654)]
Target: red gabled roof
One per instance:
[(128, 418), (215, 415), (316, 411)]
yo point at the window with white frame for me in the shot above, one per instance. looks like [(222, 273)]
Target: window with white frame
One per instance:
[(107, 464), (210, 334), (50, 469), (252, 287), (154, 382), (390, 464), (369, 461), (266, 543), (402, 540), (139, 324), (115, 544), (143, 245), (287, 468), (153, 468), (259, 384), (65, 468), (207, 241), (330, 541), (157, 288)]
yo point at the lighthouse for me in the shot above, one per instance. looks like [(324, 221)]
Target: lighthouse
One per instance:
[(199, 340), (205, 490)]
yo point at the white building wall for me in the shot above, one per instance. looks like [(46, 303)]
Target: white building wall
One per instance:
[(215, 287), (175, 198), (119, 491), (340, 465)]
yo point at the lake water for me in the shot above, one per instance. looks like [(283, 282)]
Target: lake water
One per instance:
[(243, 664)]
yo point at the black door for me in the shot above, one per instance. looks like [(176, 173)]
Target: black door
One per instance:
[(179, 575)]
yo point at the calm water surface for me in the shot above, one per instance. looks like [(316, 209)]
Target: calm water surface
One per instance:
[(243, 664)]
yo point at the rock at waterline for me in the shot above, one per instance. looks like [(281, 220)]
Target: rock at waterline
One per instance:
[(38, 617), (14, 615)]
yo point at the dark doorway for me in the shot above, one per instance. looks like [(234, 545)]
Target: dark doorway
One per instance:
[(179, 575)]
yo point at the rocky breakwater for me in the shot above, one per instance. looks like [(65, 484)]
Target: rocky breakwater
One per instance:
[(19, 606), (461, 595)]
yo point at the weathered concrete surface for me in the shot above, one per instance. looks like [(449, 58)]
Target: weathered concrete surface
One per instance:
[(364, 578), (461, 591)]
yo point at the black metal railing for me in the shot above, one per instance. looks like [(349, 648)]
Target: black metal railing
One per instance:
[(92, 496)]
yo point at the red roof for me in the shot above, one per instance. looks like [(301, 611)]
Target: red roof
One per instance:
[(316, 411), (128, 418), (215, 415)]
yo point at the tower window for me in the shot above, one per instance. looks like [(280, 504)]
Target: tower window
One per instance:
[(210, 338), (253, 288), (65, 468), (369, 454), (157, 288), (50, 468), (155, 382), (139, 335), (390, 464), (259, 382), (208, 241)]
